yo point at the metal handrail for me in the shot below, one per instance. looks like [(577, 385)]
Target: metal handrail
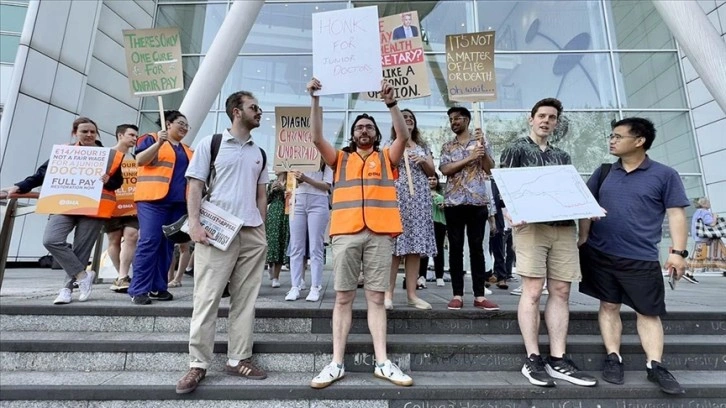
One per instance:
[(6, 233)]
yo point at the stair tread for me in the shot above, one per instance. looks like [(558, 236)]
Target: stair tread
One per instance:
[(315, 338)]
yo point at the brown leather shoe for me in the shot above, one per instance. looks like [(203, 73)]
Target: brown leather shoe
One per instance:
[(191, 380), (502, 284), (246, 369)]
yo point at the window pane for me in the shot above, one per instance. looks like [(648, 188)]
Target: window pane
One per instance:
[(12, 18), (674, 143), (544, 25), (198, 24), (8, 47), (173, 101), (281, 28), (637, 25), (650, 80), (276, 81), (438, 18), (579, 80)]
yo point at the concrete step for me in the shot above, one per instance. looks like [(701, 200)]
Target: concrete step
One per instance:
[(131, 389), (174, 319), (90, 351)]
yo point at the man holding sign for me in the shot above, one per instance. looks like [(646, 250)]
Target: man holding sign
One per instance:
[(546, 250), (364, 220), (465, 161)]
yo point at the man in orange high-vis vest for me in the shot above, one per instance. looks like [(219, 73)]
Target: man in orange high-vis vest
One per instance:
[(364, 220), (123, 227)]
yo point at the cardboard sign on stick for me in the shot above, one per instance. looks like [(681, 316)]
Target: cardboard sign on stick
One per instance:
[(153, 61), (470, 74), (294, 148)]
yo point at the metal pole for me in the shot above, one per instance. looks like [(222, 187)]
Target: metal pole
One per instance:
[(218, 62)]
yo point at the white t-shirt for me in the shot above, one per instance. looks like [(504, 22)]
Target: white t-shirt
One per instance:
[(238, 173), (325, 176)]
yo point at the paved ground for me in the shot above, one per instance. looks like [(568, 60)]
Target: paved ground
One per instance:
[(40, 286)]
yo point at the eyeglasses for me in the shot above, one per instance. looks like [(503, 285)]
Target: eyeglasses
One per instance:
[(183, 125), (618, 138), (364, 128), (255, 108)]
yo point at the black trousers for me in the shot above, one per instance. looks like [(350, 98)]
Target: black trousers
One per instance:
[(469, 219), (503, 252), (440, 235)]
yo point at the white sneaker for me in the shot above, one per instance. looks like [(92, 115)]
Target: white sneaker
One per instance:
[(302, 285), (516, 292), (392, 373), (275, 283), (64, 297), (421, 282), (439, 282), (330, 374), (85, 286), (293, 294), (314, 294), (487, 292)]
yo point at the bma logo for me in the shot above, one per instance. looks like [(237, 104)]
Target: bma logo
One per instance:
[(372, 165)]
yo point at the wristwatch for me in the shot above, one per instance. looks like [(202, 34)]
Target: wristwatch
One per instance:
[(683, 253)]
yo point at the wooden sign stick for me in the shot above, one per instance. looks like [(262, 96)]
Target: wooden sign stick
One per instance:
[(161, 112), (408, 172)]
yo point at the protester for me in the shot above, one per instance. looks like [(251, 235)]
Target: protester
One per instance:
[(307, 230), (277, 227), (465, 162), (500, 244), (239, 188), (74, 260), (548, 251), (123, 231), (437, 211), (619, 253), (417, 239), (364, 220), (707, 252), (162, 160)]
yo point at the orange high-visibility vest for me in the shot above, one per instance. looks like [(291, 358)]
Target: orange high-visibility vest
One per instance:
[(108, 197), (153, 179), (364, 195)]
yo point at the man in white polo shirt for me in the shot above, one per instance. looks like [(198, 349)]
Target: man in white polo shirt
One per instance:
[(239, 188)]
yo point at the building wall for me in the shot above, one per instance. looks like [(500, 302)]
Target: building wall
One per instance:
[(70, 63), (708, 117), (12, 16)]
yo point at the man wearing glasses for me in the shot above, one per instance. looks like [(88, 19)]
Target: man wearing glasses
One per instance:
[(619, 253), (465, 161), (238, 186), (363, 222)]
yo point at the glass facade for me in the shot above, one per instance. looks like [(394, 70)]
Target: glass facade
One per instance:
[(604, 59)]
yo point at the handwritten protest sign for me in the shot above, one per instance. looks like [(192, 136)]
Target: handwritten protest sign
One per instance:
[(346, 50), (470, 67), (294, 148), (72, 183), (153, 61), (125, 204), (402, 57)]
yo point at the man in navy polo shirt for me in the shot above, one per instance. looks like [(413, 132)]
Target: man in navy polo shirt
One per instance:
[(619, 253)]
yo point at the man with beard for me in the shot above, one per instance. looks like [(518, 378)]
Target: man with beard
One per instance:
[(465, 162), (363, 222), (237, 186), (546, 250)]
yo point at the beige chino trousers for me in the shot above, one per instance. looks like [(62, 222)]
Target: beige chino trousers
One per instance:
[(242, 265)]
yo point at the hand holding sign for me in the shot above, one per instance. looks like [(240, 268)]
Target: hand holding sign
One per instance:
[(163, 137), (313, 86), (387, 92)]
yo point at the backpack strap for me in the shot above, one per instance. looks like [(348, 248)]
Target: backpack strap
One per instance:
[(264, 160), (214, 150), (604, 170)]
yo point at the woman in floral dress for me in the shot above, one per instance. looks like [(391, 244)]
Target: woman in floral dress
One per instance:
[(417, 238), (277, 227)]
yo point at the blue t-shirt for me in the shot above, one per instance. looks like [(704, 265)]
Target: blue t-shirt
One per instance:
[(636, 204), (178, 185)]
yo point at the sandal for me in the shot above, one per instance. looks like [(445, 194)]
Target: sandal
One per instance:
[(174, 284)]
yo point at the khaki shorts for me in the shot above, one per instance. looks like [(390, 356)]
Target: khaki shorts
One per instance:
[(365, 249), (545, 251)]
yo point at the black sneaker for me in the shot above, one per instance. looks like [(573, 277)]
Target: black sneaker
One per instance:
[(612, 369), (690, 278), (534, 370), (566, 370), (162, 295), (660, 375), (142, 299)]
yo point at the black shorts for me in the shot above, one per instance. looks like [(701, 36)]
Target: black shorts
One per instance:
[(119, 223), (612, 279)]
